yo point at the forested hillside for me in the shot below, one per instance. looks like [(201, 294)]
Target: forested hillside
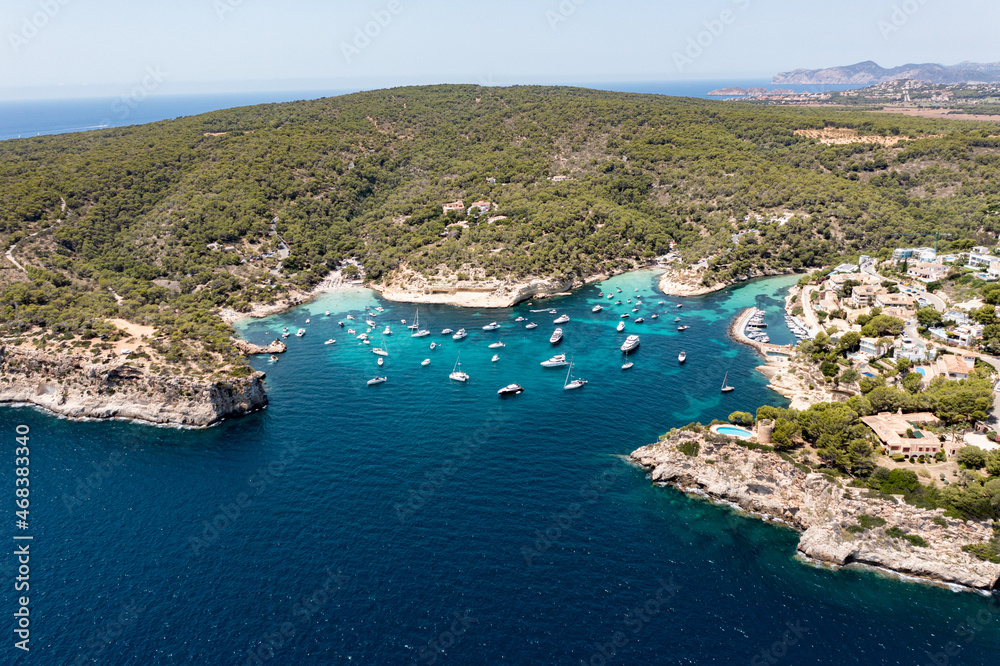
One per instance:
[(162, 224)]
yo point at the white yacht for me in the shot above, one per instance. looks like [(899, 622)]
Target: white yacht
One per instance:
[(496, 357), (456, 372), (387, 331), (511, 389), (682, 357), (447, 331), (597, 308), (350, 316), (370, 322), (327, 313), (620, 327), (557, 335), (562, 319), (530, 325), (376, 380), (426, 361), (459, 335), (654, 316), (555, 362), (329, 342), (497, 345), (378, 351), (299, 333), (492, 326), (520, 319), (381, 361), (631, 342)]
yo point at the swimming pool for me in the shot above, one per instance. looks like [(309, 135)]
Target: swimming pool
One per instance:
[(922, 371), (732, 431)]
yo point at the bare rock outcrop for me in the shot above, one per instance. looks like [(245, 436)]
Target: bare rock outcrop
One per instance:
[(74, 387), (249, 348), (763, 483)]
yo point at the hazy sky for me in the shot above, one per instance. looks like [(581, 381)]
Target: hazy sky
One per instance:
[(90, 47)]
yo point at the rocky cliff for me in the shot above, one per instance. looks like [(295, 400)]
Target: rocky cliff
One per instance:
[(249, 348), (408, 287), (74, 387), (763, 483)]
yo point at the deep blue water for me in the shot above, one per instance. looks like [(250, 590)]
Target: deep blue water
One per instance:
[(434, 522), (23, 119)]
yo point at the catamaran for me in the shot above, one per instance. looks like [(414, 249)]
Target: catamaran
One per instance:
[(726, 388), (456, 372)]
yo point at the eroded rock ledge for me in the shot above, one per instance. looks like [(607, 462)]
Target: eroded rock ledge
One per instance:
[(250, 349), (73, 387), (763, 483)]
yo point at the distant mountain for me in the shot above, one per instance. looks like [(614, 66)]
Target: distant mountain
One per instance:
[(868, 73)]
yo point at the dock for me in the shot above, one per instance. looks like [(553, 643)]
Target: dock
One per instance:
[(737, 331)]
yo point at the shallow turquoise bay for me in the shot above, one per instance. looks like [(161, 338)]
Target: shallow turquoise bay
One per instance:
[(427, 521)]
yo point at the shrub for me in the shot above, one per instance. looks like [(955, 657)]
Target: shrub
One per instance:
[(855, 529), (689, 447), (988, 552), (897, 532), (868, 522), (939, 521)]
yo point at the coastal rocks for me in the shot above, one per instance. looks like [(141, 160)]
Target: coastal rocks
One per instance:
[(414, 288), (249, 349), (689, 282), (73, 387), (825, 511)]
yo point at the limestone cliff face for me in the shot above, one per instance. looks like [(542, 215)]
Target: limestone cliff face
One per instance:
[(764, 483), (74, 387), (249, 348)]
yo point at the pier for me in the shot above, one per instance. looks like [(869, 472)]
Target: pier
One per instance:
[(737, 330)]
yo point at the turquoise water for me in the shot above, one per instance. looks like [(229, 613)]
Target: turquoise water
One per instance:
[(431, 522)]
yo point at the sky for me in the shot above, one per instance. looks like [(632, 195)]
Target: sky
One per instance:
[(78, 48)]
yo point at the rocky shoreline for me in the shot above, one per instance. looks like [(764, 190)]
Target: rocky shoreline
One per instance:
[(762, 483), (73, 387), (689, 282)]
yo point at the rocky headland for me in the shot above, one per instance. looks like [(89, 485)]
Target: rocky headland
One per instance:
[(826, 512), (250, 349), (689, 282), (74, 387)]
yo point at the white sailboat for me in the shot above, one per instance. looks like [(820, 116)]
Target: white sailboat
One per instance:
[(726, 388), (627, 364), (574, 384), (456, 372), (415, 327)]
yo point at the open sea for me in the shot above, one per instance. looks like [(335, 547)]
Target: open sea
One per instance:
[(425, 521)]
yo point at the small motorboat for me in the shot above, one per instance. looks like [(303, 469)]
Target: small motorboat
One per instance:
[(426, 361), (677, 318), (368, 342), (511, 389), (654, 316), (380, 309), (530, 325), (387, 331), (284, 335), (274, 359), (626, 316), (492, 326), (610, 296), (370, 322), (497, 345), (378, 351), (299, 333), (562, 319), (376, 380), (680, 305), (682, 357), (447, 331), (351, 317), (459, 335), (340, 323), (329, 342), (626, 366), (618, 302), (496, 357), (597, 308), (620, 327), (520, 319), (556, 336), (327, 313), (307, 321), (683, 328), (434, 345), (619, 289), (639, 320), (635, 309), (381, 361), (628, 300)]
